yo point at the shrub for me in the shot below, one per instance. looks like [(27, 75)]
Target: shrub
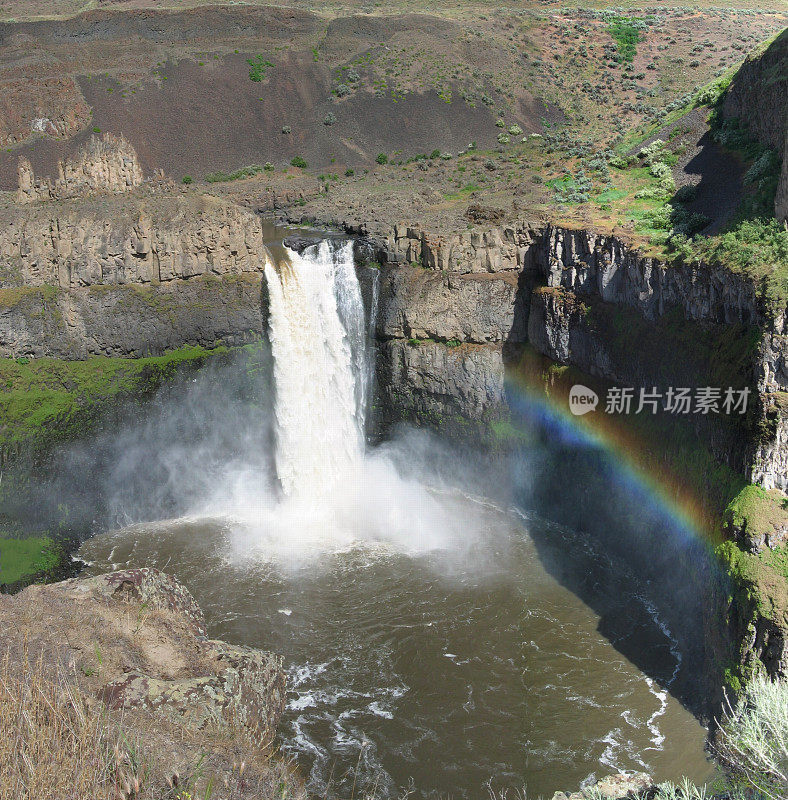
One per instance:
[(435, 153), (752, 741), (330, 118), (349, 172), (503, 138), (186, 179), (268, 166), (627, 33), (352, 76), (662, 172), (257, 68), (653, 152), (342, 90), (382, 158), (285, 129), (766, 165), (244, 172), (299, 162), (515, 130), (446, 156), (686, 194), (499, 123)]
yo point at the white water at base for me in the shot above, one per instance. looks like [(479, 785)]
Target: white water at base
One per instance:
[(318, 365), (334, 495)]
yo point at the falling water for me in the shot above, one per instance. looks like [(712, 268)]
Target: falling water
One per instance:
[(317, 332)]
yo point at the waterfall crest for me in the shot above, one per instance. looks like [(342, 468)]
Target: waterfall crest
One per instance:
[(318, 342)]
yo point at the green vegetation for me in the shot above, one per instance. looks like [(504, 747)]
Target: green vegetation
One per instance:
[(753, 243), (757, 514), (627, 33), (298, 161), (187, 179), (382, 158), (258, 67), (20, 558), (244, 172), (760, 578), (46, 399), (752, 742)]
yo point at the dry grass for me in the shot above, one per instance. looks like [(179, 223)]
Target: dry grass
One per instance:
[(54, 743), (57, 742)]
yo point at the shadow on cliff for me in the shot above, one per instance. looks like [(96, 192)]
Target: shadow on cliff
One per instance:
[(612, 543), (715, 192)]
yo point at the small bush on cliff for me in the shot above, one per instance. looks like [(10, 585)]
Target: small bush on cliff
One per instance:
[(299, 162), (752, 742), (258, 67)]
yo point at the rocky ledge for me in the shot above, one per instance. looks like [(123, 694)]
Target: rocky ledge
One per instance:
[(139, 641)]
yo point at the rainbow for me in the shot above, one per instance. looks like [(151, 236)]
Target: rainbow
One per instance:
[(655, 485)]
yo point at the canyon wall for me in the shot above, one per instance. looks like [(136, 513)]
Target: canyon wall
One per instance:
[(588, 301), (132, 275), (484, 287), (758, 97)]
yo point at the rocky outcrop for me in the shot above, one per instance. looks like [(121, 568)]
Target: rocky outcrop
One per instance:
[(758, 97), (36, 98), (770, 464), (140, 640), (438, 384), (130, 320), (129, 240), (623, 786), (105, 164), (588, 263), (497, 249), (417, 303)]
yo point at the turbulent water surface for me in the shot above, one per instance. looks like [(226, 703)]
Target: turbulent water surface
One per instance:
[(447, 669), (433, 639)]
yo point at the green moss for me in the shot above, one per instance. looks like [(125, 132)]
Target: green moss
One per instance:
[(757, 513), (13, 296), (22, 558), (48, 398), (760, 578)]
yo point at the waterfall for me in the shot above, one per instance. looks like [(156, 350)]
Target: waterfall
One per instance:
[(318, 343)]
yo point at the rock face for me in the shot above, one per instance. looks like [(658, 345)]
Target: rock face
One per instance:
[(127, 241), (439, 384), (758, 96), (105, 164), (36, 98), (481, 309), (139, 638), (131, 276), (131, 320), (493, 250)]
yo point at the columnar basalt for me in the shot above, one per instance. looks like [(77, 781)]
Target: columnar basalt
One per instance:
[(105, 164), (137, 240)]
